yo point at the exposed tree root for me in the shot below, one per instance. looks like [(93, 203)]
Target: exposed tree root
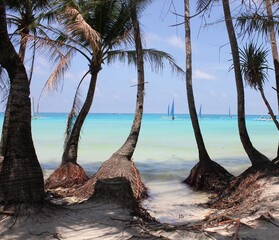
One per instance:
[(66, 176), (115, 167), (22, 210), (243, 191), (208, 176)]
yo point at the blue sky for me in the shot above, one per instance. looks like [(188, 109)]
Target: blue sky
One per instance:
[(214, 85)]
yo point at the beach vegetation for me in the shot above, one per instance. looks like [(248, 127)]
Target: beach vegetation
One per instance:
[(260, 19), (254, 67), (254, 155), (114, 25)]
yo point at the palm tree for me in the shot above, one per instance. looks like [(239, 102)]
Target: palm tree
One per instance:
[(254, 155), (156, 58), (207, 174), (21, 178), (254, 67), (120, 164), (264, 24), (261, 20), (25, 16)]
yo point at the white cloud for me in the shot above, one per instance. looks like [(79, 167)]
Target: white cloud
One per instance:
[(211, 92), (133, 81), (176, 42), (199, 74), (224, 95), (97, 92), (173, 40)]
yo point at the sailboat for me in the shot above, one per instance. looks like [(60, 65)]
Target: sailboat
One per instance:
[(200, 111), (172, 110), (168, 110), (230, 116), (33, 115)]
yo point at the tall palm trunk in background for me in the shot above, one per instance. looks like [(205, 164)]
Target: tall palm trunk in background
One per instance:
[(203, 155), (21, 178), (254, 155), (274, 49), (207, 174)]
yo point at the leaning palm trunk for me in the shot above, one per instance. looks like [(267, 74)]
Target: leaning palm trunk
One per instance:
[(270, 111), (207, 174), (119, 168), (21, 178), (69, 173), (71, 142), (254, 155)]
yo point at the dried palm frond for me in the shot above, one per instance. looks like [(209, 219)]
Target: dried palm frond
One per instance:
[(76, 25)]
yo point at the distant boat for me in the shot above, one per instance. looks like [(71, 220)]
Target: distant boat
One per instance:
[(168, 110), (33, 114), (172, 110), (200, 111), (230, 116)]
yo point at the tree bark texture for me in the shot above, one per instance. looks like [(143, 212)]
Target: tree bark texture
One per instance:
[(203, 154), (274, 49), (128, 148), (254, 155), (21, 178), (71, 144)]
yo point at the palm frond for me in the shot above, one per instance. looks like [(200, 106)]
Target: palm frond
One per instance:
[(158, 60), (254, 65), (203, 5), (57, 75), (76, 26), (256, 23)]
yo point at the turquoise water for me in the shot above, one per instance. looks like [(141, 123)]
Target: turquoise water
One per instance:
[(166, 150)]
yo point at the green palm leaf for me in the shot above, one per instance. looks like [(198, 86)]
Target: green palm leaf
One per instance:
[(158, 60), (254, 65)]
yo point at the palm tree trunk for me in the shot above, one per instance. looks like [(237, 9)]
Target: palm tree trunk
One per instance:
[(203, 155), (22, 50), (254, 155), (5, 128), (270, 111), (21, 178), (120, 165), (206, 175), (129, 146), (273, 44), (23, 44), (71, 145)]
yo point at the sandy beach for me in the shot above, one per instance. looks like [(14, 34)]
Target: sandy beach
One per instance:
[(104, 220)]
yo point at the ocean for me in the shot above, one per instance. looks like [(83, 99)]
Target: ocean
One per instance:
[(165, 153)]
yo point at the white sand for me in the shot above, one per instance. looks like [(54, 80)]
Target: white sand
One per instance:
[(93, 220)]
